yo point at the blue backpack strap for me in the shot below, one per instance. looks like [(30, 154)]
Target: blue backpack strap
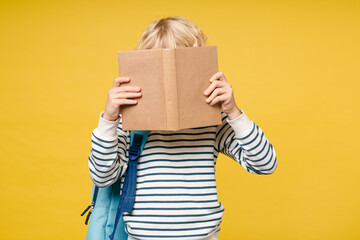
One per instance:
[(144, 138), (137, 143)]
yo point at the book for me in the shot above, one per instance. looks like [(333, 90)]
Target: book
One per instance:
[(172, 82)]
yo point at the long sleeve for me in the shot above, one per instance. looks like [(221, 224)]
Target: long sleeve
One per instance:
[(244, 141), (108, 156)]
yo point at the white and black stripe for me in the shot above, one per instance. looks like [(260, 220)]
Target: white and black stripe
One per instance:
[(176, 196)]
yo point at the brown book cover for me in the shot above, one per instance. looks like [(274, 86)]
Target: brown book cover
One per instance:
[(172, 82)]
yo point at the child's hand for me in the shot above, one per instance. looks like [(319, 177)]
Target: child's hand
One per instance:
[(221, 91), (117, 96)]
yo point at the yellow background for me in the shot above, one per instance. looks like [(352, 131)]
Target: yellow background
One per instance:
[(294, 68)]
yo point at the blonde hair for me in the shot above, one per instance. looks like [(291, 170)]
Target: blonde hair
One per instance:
[(171, 32)]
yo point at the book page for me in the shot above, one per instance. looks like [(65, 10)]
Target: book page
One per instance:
[(145, 68), (194, 68)]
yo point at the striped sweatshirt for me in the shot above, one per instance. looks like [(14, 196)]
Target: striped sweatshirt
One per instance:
[(176, 195)]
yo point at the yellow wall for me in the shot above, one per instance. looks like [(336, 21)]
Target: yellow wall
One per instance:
[(294, 67)]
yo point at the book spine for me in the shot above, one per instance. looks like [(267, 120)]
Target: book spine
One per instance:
[(170, 89)]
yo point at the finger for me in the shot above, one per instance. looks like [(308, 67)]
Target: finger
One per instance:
[(127, 89), (216, 92), (217, 76), (127, 95), (125, 101), (216, 84), (220, 98), (119, 80)]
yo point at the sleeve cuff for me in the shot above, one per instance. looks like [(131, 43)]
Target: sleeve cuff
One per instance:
[(107, 129), (242, 125)]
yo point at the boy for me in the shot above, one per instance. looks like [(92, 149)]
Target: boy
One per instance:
[(176, 196)]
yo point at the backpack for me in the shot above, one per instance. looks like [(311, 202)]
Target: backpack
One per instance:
[(107, 205)]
